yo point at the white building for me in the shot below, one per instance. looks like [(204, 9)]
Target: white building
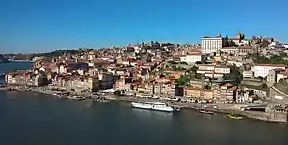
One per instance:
[(62, 69), (213, 71), (230, 50), (282, 75), (233, 62), (211, 44), (241, 50), (262, 70), (192, 58), (242, 98), (247, 74)]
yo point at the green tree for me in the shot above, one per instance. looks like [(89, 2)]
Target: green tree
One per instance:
[(183, 80), (172, 62), (117, 93), (234, 75)]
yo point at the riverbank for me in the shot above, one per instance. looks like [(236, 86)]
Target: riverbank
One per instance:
[(214, 107), (218, 108)]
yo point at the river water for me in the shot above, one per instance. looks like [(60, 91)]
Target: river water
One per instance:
[(35, 119)]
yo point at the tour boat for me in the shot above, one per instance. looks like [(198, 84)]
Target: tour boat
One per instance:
[(159, 106)]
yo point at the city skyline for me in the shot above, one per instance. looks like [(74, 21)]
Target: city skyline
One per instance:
[(38, 26)]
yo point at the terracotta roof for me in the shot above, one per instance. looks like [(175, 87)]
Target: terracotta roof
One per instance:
[(227, 85)]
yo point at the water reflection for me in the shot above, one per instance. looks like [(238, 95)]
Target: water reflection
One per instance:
[(143, 113), (88, 103), (12, 95)]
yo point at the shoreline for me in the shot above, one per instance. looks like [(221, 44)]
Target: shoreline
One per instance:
[(252, 115), (221, 108)]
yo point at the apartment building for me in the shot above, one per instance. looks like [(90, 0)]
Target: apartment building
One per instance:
[(197, 93), (224, 93)]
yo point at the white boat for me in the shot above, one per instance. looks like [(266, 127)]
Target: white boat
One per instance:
[(171, 99), (75, 97), (159, 106)]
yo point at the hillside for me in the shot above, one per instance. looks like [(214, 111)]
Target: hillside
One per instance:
[(3, 59)]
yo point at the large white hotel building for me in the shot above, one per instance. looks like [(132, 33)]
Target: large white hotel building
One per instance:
[(211, 44)]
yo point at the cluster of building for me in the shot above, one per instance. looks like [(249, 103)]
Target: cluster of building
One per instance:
[(210, 71)]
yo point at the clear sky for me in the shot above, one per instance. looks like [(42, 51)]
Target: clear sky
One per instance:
[(45, 25)]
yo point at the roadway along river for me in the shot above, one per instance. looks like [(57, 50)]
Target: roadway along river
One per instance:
[(28, 118)]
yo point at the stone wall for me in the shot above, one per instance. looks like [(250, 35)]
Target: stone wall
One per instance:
[(252, 83), (278, 97), (278, 117)]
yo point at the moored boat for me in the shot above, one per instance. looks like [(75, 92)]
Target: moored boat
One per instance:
[(75, 97), (101, 100), (233, 116), (159, 106), (205, 111)]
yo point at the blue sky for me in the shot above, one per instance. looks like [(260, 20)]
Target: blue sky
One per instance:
[(45, 25)]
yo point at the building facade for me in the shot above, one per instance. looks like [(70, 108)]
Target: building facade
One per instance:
[(213, 71), (262, 70), (211, 44), (192, 58)]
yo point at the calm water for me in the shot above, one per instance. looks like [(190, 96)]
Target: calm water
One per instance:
[(8, 67), (36, 119)]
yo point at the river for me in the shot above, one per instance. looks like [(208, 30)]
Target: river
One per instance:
[(35, 119)]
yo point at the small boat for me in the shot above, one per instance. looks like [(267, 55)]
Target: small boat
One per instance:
[(205, 111), (101, 100), (233, 116), (75, 97)]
